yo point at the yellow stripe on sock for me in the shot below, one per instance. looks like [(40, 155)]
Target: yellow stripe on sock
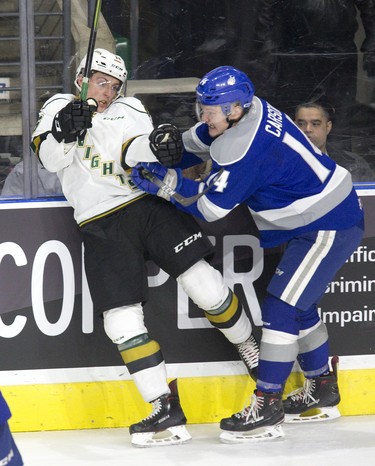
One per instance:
[(140, 352)]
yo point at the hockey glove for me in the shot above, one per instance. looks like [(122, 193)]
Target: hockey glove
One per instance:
[(170, 179), (166, 144), (72, 119)]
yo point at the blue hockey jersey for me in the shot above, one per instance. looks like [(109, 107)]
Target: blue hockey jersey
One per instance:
[(289, 185)]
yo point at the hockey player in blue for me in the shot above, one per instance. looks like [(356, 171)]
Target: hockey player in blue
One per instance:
[(9, 454), (298, 197)]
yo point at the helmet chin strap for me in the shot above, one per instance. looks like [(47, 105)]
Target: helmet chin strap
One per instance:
[(231, 122)]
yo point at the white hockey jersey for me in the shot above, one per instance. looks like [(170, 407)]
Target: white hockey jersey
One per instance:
[(94, 171)]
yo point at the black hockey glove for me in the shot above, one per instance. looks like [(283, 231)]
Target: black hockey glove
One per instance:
[(72, 119), (166, 144)]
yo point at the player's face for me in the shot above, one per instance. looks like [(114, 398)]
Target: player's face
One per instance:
[(215, 118), (315, 125), (104, 89)]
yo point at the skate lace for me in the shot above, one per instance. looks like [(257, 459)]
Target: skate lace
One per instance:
[(156, 408), (305, 393), (252, 410), (249, 352)]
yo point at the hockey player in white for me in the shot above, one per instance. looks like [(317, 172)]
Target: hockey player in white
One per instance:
[(92, 146), (298, 197)]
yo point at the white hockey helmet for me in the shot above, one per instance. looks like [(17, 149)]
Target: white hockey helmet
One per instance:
[(107, 63)]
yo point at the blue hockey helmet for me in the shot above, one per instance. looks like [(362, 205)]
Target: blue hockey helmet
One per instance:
[(225, 85)]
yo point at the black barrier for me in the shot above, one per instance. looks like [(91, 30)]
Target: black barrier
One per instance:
[(46, 318)]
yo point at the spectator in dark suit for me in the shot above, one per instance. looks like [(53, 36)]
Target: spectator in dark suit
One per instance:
[(315, 119)]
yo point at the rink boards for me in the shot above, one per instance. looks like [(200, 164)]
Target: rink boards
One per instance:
[(59, 371)]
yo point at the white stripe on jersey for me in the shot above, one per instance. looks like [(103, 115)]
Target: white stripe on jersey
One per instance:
[(308, 267), (305, 211), (320, 170), (209, 210)]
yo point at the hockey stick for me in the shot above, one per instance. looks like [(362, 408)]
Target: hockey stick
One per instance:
[(185, 201), (90, 50)]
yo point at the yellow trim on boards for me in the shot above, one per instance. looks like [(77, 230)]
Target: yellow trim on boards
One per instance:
[(94, 405)]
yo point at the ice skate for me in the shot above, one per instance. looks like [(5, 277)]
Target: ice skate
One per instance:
[(165, 425), (259, 421), (316, 400), (249, 353)]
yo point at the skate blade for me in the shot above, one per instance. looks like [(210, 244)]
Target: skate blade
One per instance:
[(178, 435), (257, 435), (313, 415)]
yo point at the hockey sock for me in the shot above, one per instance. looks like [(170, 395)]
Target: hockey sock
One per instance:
[(230, 319), (315, 363), (313, 344), (145, 362), (279, 344)]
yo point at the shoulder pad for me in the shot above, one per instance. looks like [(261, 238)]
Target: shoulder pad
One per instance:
[(234, 144), (58, 101), (131, 102)]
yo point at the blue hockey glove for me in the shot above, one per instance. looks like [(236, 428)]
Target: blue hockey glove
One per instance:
[(144, 175), (139, 174)]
